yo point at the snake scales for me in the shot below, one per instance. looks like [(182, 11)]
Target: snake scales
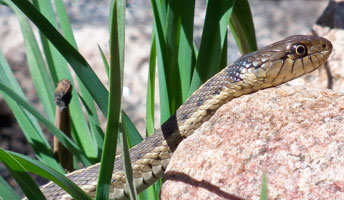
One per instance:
[(268, 67)]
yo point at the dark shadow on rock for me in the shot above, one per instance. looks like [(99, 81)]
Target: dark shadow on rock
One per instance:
[(181, 177)]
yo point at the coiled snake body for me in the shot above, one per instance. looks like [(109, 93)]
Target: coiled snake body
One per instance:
[(270, 66)]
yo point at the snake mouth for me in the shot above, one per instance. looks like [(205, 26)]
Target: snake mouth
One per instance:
[(327, 53)]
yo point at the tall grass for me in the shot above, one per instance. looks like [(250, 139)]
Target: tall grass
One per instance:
[(181, 67)]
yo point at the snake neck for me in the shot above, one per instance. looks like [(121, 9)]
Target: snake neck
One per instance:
[(202, 105)]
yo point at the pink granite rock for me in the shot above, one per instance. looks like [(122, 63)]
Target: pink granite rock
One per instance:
[(293, 134)]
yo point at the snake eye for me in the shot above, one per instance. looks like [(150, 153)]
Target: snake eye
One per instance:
[(299, 50)]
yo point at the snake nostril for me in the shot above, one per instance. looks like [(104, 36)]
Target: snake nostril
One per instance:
[(324, 46)]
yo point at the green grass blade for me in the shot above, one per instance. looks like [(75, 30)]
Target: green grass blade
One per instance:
[(214, 32), (127, 163), (97, 139), (165, 111), (160, 32), (223, 59), (77, 62), (82, 134), (45, 171), (149, 193), (106, 65), (242, 27), (157, 188), (133, 135), (59, 69), (52, 56), (117, 24), (172, 42), (179, 40), (21, 176), (264, 188), (150, 102), (26, 121), (80, 125), (43, 83), (68, 143), (6, 191), (186, 55), (64, 22)]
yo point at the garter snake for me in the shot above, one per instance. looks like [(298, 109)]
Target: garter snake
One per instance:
[(268, 67)]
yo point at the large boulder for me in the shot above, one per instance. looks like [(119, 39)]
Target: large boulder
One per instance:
[(295, 135)]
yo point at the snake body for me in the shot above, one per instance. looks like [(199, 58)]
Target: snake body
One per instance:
[(270, 66)]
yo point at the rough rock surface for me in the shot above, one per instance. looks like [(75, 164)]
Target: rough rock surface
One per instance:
[(293, 134)]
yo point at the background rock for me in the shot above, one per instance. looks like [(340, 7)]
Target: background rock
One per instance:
[(293, 134)]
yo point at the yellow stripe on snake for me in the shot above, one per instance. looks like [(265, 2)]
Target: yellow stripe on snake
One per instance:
[(268, 67)]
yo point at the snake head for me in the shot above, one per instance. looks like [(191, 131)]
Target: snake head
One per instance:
[(285, 60)]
